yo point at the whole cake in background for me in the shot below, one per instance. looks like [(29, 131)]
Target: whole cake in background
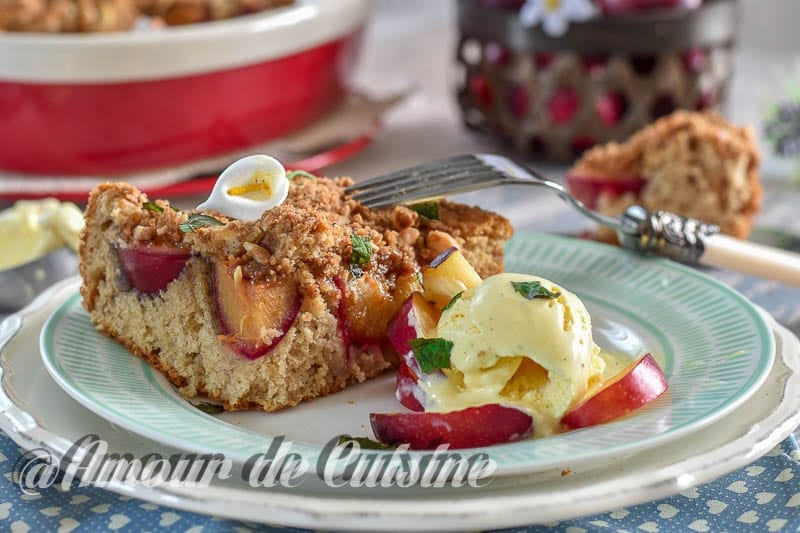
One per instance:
[(176, 12), (694, 164), (70, 16), (266, 313)]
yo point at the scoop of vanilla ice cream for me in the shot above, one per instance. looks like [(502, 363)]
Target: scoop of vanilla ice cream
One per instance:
[(535, 353)]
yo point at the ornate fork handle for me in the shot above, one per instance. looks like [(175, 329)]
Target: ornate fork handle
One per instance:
[(657, 232), (665, 234), (649, 232), (669, 235)]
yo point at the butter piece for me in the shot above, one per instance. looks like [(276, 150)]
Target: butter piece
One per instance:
[(31, 229)]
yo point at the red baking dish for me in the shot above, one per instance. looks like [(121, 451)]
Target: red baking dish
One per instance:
[(91, 104)]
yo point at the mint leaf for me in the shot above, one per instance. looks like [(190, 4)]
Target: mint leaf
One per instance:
[(429, 210), (364, 442), (152, 206), (362, 251), (452, 301), (534, 289), (199, 220), (432, 354), (210, 408), (302, 173)]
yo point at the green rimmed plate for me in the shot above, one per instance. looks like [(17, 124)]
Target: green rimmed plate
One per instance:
[(713, 345)]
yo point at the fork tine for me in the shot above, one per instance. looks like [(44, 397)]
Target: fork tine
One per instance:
[(443, 165), (413, 178), (401, 191), (439, 189)]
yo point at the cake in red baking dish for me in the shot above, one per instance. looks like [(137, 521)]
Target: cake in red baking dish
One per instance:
[(70, 16), (694, 164), (269, 313)]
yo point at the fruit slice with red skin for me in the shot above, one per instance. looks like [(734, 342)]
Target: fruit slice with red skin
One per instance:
[(416, 319), (245, 308), (448, 274), (468, 428), (366, 306), (407, 390), (641, 382), (588, 189), (151, 268)]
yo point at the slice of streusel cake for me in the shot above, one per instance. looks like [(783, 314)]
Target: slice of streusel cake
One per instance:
[(269, 313), (694, 164)]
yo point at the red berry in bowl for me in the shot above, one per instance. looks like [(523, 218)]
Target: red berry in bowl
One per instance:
[(595, 63), (496, 54), (518, 100), (481, 90), (563, 105), (695, 60), (611, 107), (543, 60)]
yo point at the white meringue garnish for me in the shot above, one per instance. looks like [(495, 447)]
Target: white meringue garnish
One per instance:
[(248, 188)]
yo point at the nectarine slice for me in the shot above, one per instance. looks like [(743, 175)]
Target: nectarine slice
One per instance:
[(468, 428), (367, 306), (449, 274), (254, 315), (151, 268), (639, 383)]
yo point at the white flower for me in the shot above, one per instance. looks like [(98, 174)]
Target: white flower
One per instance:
[(555, 15)]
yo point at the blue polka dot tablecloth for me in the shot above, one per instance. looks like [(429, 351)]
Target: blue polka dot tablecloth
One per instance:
[(764, 496)]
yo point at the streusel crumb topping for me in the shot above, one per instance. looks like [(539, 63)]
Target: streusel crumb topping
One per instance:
[(314, 227)]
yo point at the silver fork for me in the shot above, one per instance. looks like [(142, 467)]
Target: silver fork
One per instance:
[(459, 174), (651, 232)]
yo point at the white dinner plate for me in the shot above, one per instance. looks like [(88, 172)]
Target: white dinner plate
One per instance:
[(36, 413), (713, 345)]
